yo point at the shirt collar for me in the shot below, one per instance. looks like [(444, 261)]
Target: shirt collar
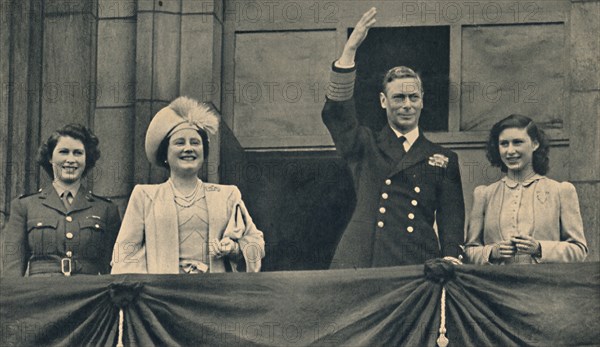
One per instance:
[(411, 136), (60, 187), (510, 183)]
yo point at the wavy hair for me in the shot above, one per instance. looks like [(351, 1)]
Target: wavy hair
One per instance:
[(78, 132), (540, 161), (400, 72)]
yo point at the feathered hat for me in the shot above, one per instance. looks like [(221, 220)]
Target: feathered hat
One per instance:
[(182, 113)]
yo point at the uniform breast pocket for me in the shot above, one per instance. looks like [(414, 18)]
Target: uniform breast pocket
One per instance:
[(92, 224), (41, 224), (41, 235), (91, 228), (91, 237)]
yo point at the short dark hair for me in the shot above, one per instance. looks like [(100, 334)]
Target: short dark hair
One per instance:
[(540, 161), (161, 153), (78, 132), (400, 72)]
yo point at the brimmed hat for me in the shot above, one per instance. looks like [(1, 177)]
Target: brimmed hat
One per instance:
[(182, 113)]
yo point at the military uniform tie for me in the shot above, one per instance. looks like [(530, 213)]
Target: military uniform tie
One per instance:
[(67, 199)]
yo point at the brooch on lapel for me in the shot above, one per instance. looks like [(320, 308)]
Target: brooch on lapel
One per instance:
[(438, 160), (212, 188), (542, 196)]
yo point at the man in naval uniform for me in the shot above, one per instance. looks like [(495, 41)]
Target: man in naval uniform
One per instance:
[(404, 183)]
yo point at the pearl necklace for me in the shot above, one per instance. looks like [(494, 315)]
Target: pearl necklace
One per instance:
[(186, 201)]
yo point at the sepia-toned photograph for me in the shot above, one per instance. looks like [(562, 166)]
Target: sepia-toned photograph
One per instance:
[(299, 173)]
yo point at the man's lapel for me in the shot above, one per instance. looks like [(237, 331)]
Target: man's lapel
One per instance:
[(389, 144), (419, 151)]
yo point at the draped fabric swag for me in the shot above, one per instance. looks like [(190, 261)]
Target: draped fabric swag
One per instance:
[(518, 305)]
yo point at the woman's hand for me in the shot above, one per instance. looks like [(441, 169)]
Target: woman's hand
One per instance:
[(359, 34), (526, 244), (226, 246), (454, 261), (503, 250)]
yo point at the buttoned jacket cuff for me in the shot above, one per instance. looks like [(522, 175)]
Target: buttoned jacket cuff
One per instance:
[(540, 258), (341, 83)]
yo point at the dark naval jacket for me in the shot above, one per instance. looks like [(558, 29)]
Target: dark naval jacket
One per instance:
[(399, 195)]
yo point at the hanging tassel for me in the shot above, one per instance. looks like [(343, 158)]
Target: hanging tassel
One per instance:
[(442, 340), (121, 295), (121, 319)]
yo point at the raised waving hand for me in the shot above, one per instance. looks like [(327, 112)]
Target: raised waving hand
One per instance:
[(357, 37)]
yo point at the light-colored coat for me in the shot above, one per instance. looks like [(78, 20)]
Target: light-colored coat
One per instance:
[(148, 241), (557, 222)]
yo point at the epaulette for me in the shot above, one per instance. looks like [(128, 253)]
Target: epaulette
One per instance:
[(100, 197), (29, 194)]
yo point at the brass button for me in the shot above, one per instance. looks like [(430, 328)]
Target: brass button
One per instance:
[(382, 210), (410, 229), (69, 235), (414, 202), (69, 254), (97, 226), (384, 196), (411, 216), (69, 219), (388, 182), (380, 224), (417, 190), (39, 224)]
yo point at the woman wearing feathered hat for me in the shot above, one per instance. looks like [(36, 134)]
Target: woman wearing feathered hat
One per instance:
[(185, 225)]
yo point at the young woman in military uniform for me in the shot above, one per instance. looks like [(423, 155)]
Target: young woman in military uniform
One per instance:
[(63, 229)]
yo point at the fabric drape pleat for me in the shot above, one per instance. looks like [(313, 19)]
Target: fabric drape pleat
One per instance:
[(514, 305)]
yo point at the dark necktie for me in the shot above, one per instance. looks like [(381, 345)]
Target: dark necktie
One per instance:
[(67, 199), (401, 139)]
